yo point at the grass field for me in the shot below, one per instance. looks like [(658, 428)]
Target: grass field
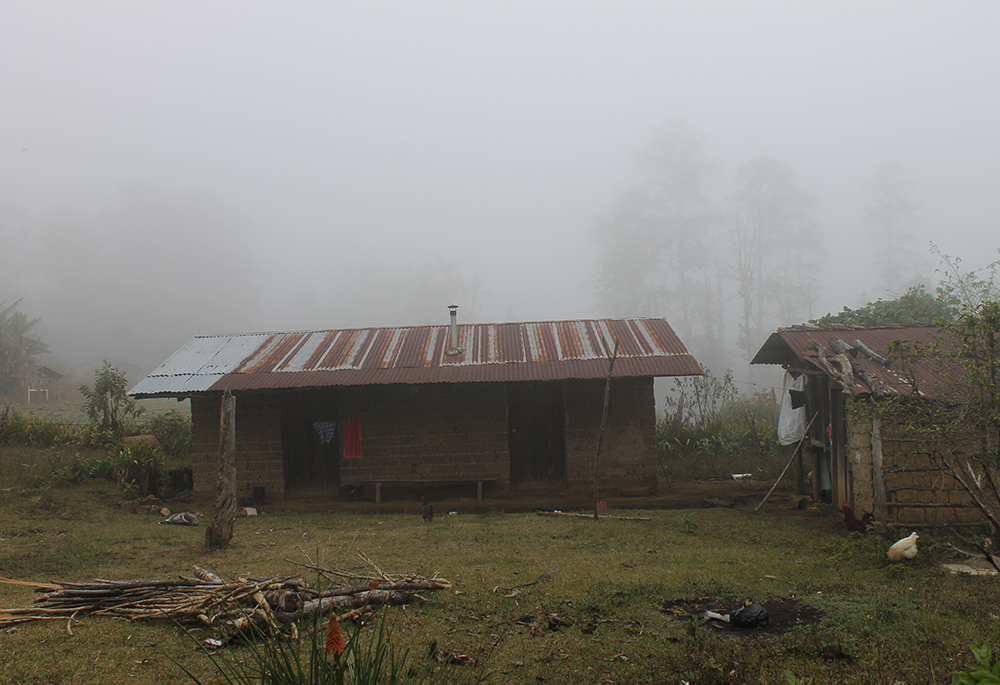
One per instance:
[(911, 623), (74, 411)]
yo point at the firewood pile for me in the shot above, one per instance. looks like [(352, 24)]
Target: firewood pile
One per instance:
[(234, 609)]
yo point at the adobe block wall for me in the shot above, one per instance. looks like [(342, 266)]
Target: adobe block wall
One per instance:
[(441, 430), (916, 479), (628, 449), (432, 430), (258, 445), (919, 492)]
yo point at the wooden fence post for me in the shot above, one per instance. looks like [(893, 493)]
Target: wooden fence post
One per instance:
[(604, 416), (220, 531)]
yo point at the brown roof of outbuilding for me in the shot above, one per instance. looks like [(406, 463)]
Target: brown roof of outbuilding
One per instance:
[(795, 345), (549, 350), (28, 371)]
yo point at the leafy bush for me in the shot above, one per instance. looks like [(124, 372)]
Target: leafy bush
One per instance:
[(173, 431), (983, 674), (111, 411), (78, 470), (712, 431), (18, 429), (137, 466)]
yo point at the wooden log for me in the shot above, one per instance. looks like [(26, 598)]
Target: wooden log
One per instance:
[(414, 586), (284, 601), (220, 531), (207, 576), (871, 354), (325, 605), (590, 516), (840, 347), (871, 381)]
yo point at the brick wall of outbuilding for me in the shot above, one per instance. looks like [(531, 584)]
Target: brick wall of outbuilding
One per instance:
[(258, 445), (919, 490), (439, 430), (628, 450), (445, 430)]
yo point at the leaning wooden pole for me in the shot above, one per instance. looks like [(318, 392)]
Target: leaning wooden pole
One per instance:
[(797, 448), (604, 416), (220, 531)]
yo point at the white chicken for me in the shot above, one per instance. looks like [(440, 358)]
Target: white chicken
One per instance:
[(903, 549)]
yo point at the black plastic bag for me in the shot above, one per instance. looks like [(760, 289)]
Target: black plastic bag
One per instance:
[(750, 615)]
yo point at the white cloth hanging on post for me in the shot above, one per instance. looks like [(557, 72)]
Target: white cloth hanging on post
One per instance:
[(791, 422)]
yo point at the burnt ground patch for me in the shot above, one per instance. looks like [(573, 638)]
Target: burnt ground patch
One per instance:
[(784, 613)]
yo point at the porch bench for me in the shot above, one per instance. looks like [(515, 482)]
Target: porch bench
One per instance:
[(445, 479)]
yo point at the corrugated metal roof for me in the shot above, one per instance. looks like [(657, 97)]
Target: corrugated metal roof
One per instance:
[(796, 344), (549, 350)]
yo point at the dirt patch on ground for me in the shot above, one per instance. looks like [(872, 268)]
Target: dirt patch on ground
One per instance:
[(783, 614)]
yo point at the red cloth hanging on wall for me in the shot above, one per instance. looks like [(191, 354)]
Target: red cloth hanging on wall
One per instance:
[(352, 439)]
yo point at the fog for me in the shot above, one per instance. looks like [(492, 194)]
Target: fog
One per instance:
[(182, 168)]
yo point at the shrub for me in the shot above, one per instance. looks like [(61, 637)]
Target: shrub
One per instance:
[(137, 466), (712, 431), (173, 431), (111, 411), (18, 429)]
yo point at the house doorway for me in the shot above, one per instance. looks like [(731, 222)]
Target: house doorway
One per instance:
[(310, 444), (536, 429)]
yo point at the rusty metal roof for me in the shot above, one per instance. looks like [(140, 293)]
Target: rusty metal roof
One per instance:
[(27, 371), (549, 350), (794, 345)]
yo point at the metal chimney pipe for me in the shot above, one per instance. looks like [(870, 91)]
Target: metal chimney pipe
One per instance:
[(453, 308)]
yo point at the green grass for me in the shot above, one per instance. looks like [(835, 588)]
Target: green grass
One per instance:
[(74, 411), (910, 623)]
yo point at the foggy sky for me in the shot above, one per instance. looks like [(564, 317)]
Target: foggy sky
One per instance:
[(307, 155)]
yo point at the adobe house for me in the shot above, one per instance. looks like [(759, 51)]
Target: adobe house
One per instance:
[(501, 408), (855, 458), (37, 383)]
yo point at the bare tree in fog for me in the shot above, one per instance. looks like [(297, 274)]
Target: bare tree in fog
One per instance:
[(630, 259), (887, 213), (655, 250), (678, 172), (771, 242)]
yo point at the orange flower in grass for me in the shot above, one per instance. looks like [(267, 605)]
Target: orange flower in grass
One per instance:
[(334, 638)]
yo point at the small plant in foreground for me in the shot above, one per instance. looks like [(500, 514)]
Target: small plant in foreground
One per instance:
[(689, 525), (792, 680), (983, 674), (369, 656)]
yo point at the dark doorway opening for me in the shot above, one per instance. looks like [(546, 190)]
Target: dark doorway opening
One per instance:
[(311, 450), (536, 429)]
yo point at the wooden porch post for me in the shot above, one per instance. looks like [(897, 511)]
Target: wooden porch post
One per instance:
[(878, 477)]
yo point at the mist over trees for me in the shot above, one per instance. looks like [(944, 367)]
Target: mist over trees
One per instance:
[(889, 213), (729, 257), (19, 346), (136, 279), (170, 173)]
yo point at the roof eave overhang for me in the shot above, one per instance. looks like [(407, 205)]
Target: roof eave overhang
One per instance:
[(679, 366)]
